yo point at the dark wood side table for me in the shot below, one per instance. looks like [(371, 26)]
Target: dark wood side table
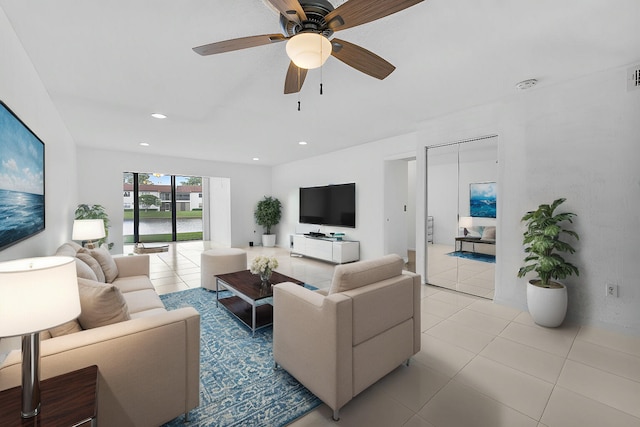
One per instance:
[(67, 400)]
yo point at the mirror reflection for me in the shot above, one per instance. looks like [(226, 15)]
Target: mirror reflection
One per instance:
[(462, 212)]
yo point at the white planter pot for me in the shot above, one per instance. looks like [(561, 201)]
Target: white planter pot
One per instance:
[(268, 240), (547, 306)]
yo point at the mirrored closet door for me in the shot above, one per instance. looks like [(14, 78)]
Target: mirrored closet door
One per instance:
[(461, 215)]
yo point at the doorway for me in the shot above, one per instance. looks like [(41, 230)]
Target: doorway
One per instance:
[(400, 209), (461, 215)]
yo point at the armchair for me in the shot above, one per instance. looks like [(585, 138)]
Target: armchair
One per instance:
[(339, 344)]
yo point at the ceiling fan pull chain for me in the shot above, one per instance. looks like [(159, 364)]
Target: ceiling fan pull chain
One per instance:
[(321, 68)]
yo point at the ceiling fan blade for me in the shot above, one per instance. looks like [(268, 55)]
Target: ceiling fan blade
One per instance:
[(291, 9), (361, 59), (295, 79), (237, 44), (358, 12)]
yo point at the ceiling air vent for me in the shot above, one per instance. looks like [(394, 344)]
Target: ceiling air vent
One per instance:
[(633, 78)]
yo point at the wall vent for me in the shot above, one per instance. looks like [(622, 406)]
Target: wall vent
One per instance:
[(633, 78)]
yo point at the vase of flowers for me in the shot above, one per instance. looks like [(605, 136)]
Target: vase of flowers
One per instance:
[(263, 266)]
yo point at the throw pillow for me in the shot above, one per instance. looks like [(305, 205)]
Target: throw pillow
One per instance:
[(66, 249), (101, 304), (84, 271), (65, 329), (489, 233), (107, 263), (84, 255)]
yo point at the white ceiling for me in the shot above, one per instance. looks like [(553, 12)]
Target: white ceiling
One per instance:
[(108, 65)]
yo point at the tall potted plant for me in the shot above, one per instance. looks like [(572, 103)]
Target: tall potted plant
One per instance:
[(547, 298), (267, 214)]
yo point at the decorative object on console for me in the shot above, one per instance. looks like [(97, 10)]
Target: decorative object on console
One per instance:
[(88, 230), (22, 201), (465, 222), (36, 294), (267, 214), (263, 266), (84, 211), (547, 298)]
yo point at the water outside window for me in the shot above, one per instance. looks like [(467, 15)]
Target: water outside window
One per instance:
[(156, 196)]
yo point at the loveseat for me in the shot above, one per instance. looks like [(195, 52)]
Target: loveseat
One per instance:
[(338, 343), (148, 358)]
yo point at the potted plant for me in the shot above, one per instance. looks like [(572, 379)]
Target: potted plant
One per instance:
[(547, 298), (95, 212), (267, 214)]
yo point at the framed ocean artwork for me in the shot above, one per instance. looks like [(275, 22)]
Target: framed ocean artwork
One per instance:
[(482, 199), (22, 212)]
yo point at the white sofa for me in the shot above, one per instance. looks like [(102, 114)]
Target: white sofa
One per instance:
[(148, 366), (340, 342)]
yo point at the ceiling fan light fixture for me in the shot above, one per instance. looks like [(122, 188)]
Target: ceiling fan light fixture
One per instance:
[(308, 50)]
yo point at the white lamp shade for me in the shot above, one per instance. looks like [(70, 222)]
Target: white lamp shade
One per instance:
[(88, 229), (37, 294), (308, 50), (466, 222)]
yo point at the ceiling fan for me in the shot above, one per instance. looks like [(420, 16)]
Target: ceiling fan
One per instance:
[(307, 26)]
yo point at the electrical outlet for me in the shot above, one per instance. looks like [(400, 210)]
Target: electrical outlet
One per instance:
[(612, 290)]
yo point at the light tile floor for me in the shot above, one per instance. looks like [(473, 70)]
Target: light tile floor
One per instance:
[(481, 364)]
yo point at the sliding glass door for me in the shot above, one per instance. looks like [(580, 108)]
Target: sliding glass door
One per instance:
[(161, 208)]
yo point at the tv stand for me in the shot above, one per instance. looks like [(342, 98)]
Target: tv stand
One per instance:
[(326, 248)]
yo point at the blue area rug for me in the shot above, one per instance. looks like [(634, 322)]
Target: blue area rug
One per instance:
[(474, 256), (238, 385)]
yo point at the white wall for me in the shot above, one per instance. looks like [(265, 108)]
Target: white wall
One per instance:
[(411, 204), (577, 140), (22, 90), (396, 187), (442, 192), (220, 211), (103, 185), (363, 165)]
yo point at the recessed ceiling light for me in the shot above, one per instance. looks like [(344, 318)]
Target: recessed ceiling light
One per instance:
[(158, 116), (144, 144), (526, 84), (302, 143), (256, 159)]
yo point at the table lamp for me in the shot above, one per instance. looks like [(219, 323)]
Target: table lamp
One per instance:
[(36, 294), (89, 230), (466, 222)]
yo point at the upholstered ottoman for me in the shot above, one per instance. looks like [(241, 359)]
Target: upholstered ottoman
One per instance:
[(220, 261)]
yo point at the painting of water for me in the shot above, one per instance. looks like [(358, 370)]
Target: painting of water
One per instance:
[(482, 199), (22, 212)]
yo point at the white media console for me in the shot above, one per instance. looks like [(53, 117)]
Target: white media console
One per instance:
[(326, 248)]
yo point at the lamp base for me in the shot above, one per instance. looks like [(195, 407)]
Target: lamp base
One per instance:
[(30, 375)]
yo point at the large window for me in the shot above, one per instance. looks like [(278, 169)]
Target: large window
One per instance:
[(161, 208)]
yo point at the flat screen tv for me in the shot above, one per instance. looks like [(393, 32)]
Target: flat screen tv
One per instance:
[(329, 205), (21, 180)]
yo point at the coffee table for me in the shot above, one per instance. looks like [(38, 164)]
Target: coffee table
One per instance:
[(247, 291)]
